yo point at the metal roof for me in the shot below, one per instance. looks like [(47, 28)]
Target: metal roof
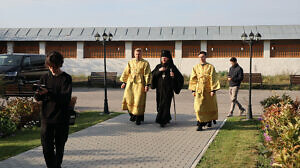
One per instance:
[(268, 32)]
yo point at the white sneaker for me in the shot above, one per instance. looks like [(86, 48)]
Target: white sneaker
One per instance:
[(229, 115)]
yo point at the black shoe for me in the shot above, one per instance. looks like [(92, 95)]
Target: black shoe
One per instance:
[(198, 123), (132, 118), (209, 124), (199, 128), (214, 121), (138, 122), (142, 118), (162, 125)]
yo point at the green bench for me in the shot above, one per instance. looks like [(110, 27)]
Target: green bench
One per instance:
[(256, 78), (98, 78), (294, 80)]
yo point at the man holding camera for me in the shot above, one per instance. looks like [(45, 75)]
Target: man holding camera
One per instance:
[(55, 93)]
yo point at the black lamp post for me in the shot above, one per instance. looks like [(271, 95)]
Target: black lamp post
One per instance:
[(252, 39), (97, 38)]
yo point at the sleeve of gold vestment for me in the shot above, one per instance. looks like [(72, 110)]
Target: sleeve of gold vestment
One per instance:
[(125, 74), (147, 74), (215, 84), (193, 80)]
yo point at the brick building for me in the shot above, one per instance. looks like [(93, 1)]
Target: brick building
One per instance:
[(278, 52)]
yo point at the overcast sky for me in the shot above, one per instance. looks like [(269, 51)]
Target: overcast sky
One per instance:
[(91, 13)]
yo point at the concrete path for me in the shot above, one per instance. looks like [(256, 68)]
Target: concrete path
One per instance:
[(120, 143)]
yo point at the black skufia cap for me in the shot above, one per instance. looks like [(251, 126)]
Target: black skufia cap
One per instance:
[(166, 53)]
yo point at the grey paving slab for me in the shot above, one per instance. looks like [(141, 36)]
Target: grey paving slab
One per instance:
[(120, 143)]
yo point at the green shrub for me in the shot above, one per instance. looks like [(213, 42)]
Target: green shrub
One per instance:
[(281, 126), (186, 79), (276, 79), (2, 87), (7, 126), (21, 111), (223, 79), (275, 100), (264, 155), (223, 74)]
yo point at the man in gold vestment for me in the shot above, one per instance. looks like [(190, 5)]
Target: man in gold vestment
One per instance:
[(204, 84), (136, 79)]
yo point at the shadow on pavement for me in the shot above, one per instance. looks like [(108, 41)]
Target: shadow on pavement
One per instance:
[(121, 125)]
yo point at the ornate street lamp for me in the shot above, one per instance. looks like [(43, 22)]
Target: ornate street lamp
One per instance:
[(252, 39), (105, 37)]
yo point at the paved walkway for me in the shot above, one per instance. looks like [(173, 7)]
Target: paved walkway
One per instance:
[(120, 143)]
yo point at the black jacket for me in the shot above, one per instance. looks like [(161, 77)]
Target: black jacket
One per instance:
[(236, 74), (57, 100)]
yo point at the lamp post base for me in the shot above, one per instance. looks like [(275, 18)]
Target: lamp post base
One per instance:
[(249, 113), (106, 111), (102, 113)]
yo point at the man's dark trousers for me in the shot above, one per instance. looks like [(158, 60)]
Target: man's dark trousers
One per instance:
[(54, 136)]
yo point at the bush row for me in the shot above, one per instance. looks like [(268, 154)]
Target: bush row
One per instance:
[(281, 126), (18, 113)]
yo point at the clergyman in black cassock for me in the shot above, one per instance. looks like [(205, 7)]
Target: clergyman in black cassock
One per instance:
[(166, 79)]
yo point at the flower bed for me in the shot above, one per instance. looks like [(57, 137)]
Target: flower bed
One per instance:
[(21, 113), (18, 113), (281, 125)]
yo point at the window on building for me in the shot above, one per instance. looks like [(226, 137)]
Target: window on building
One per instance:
[(190, 49), (228, 48), (285, 48), (67, 49), (152, 49), (26, 47), (114, 49), (3, 47)]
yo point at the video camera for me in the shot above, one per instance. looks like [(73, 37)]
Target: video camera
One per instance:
[(37, 87)]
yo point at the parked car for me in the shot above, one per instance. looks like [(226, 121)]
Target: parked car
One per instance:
[(21, 71), (25, 67)]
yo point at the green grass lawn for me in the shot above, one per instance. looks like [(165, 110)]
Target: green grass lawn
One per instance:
[(26, 139), (236, 145)]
